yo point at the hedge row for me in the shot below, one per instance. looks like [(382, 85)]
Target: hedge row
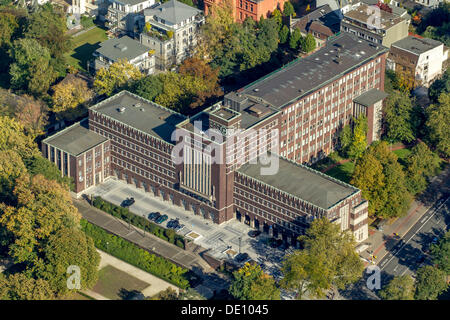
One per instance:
[(140, 222), (132, 254)]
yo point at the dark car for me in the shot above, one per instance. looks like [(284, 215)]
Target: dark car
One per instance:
[(254, 233), (179, 227), (154, 215), (242, 257), (421, 258), (127, 202), (172, 224), (161, 219), (275, 243)]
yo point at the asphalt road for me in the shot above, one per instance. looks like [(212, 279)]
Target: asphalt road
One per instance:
[(409, 253), (405, 254)]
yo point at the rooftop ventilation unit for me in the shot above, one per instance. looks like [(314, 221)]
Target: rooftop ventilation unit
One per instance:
[(137, 105), (121, 109), (256, 89)]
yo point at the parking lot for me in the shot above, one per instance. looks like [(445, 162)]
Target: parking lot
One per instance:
[(219, 238)]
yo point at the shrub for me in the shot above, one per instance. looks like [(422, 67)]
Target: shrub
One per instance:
[(138, 221), (136, 256)]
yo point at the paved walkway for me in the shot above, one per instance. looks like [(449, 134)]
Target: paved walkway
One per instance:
[(380, 240), (147, 241)]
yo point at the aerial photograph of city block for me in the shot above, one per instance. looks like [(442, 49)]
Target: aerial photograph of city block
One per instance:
[(224, 150)]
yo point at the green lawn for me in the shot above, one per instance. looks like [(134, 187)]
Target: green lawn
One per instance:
[(83, 46), (76, 296), (342, 172), (116, 284)]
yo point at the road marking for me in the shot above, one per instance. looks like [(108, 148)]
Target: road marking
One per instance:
[(433, 213)]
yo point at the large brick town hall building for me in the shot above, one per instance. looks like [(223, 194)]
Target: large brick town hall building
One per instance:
[(304, 103)]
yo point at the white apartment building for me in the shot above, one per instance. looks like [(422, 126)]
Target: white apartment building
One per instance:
[(126, 15), (420, 60), (171, 30)]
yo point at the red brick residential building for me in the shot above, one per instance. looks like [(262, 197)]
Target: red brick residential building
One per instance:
[(249, 8), (214, 164)]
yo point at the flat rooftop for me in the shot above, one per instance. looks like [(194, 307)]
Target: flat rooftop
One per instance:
[(75, 139), (370, 97), (302, 182), (364, 14), (305, 75), (141, 114), (122, 48), (417, 45)]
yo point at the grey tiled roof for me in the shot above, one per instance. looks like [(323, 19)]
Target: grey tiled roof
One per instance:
[(417, 45), (172, 11), (122, 48)]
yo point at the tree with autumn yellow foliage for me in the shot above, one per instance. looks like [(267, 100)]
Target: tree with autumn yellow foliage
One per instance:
[(32, 114), (107, 81), (251, 283), (68, 95), (216, 29), (13, 137)]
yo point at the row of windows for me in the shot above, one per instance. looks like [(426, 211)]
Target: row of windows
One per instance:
[(144, 162), (271, 217), (141, 172)]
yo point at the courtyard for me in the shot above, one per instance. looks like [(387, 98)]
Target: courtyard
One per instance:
[(231, 236)]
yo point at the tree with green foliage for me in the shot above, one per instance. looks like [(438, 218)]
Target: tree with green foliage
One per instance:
[(295, 38), (67, 247), (441, 253), (11, 168), (284, 34), (14, 137), (8, 27), (31, 70), (42, 208), (251, 283), (308, 43), (421, 165), (116, 77), (439, 86), (430, 283), (398, 120), (288, 9), (148, 87), (20, 287), (368, 176), (37, 164), (329, 260), (345, 139), (386, 190), (399, 288), (359, 138), (438, 124)]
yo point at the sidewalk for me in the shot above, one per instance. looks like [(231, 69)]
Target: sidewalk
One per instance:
[(135, 235), (380, 241)]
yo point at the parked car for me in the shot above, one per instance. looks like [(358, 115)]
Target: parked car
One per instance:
[(127, 202), (179, 227), (242, 257), (161, 219), (153, 216), (254, 233), (421, 259), (172, 224)]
